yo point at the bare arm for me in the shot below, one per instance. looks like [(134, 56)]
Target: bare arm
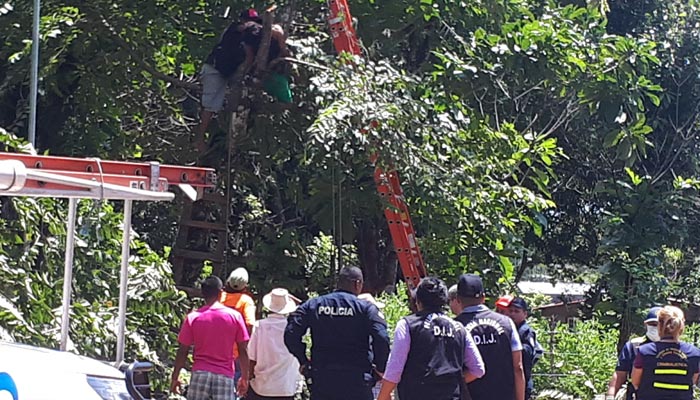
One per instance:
[(469, 377), (637, 377), (180, 360), (385, 391), (251, 374), (519, 375), (618, 378), (245, 368), (249, 55), (279, 36)]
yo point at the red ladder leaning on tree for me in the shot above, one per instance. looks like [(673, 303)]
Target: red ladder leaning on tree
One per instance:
[(388, 185)]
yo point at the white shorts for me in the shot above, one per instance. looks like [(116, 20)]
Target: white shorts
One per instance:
[(213, 88)]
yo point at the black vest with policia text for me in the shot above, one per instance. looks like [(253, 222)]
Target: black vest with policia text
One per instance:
[(492, 333), (667, 371), (435, 360)]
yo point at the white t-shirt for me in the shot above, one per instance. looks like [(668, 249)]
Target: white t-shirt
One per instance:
[(276, 370)]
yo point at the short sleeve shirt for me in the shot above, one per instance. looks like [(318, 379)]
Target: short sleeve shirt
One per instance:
[(628, 354), (213, 330)]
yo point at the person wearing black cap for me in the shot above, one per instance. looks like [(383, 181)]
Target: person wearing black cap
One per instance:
[(498, 342), (433, 354), (342, 327), (625, 360), (517, 311)]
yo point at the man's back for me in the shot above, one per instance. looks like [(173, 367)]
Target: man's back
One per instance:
[(213, 330), (276, 370), (493, 333), (242, 303), (341, 326)]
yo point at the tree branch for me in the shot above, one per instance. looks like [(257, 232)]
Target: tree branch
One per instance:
[(140, 60), (264, 50)]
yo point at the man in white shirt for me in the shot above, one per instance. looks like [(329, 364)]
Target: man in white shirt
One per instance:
[(275, 371)]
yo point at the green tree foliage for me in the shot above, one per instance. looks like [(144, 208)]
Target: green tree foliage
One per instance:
[(525, 132), (32, 248)]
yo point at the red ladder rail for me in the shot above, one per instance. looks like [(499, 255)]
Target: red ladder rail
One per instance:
[(342, 31), (388, 184), (54, 176), (175, 175)]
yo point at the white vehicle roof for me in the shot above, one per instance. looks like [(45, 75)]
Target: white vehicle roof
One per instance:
[(43, 374)]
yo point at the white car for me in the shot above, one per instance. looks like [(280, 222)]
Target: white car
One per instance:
[(35, 373)]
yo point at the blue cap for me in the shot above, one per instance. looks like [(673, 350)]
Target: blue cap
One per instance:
[(652, 315)]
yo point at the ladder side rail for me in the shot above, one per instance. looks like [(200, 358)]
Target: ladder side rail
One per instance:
[(388, 184), (342, 31), (405, 247), (195, 176), (407, 221)]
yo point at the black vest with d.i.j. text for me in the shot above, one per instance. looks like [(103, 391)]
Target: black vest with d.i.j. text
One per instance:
[(435, 361), (492, 333)]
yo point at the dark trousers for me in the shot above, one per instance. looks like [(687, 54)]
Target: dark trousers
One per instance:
[(337, 384), (430, 390), (254, 396)]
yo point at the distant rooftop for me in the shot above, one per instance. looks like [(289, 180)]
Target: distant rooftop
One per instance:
[(556, 290)]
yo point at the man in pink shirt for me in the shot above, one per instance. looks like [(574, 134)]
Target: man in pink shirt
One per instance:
[(212, 330)]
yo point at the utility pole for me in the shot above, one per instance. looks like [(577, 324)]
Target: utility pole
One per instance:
[(34, 77)]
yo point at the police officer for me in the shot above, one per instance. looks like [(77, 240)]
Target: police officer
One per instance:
[(666, 369), (517, 311), (498, 342), (432, 354), (341, 328), (629, 352)]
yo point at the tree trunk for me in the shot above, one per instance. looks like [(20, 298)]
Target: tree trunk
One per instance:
[(376, 256), (625, 322)]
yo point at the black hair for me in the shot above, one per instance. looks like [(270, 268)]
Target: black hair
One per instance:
[(431, 293), (350, 274), (211, 287)]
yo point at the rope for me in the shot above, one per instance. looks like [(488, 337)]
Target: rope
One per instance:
[(334, 231), (227, 210), (340, 212), (227, 206)]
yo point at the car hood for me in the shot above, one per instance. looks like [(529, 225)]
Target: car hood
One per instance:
[(38, 360)]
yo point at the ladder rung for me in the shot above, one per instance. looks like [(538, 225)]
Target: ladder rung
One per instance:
[(197, 255), (214, 226)]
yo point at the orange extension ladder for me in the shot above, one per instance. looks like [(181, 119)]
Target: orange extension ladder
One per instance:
[(388, 184)]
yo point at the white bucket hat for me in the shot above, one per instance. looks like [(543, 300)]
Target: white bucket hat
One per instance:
[(279, 301)]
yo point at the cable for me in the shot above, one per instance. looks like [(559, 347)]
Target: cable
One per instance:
[(340, 211), (334, 232)]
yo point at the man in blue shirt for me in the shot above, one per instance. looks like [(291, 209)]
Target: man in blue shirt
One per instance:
[(342, 358), (629, 352), (516, 308)]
